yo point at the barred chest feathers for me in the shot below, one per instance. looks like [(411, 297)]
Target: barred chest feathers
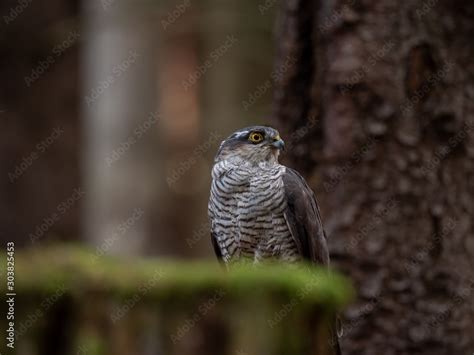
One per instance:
[(247, 212)]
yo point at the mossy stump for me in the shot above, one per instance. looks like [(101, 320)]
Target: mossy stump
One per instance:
[(69, 301)]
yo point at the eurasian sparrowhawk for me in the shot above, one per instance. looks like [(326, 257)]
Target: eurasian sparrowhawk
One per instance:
[(260, 209)]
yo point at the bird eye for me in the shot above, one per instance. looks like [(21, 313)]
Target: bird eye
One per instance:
[(256, 137)]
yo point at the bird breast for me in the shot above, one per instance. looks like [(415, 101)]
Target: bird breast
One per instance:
[(247, 207)]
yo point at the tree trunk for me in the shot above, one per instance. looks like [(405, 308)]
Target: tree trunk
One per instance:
[(376, 99), (39, 135), (120, 153)]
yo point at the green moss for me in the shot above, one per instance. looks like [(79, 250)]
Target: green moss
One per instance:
[(90, 343), (79, 270)]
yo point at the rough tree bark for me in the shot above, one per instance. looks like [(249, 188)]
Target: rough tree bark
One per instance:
[(377, 104)]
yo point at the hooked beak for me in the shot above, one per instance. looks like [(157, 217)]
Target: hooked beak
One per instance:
[(278, 143)]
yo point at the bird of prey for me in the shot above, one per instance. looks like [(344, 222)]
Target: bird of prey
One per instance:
[(262, 210)]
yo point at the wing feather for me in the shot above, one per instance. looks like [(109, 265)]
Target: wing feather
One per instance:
[(217, 249), (303, 218), (304, 221)]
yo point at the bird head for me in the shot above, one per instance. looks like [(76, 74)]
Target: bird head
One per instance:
[(253, 145)]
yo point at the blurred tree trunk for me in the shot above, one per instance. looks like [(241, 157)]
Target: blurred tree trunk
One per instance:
[(121, 152), (376, 100), (179, 99), (39, 135)]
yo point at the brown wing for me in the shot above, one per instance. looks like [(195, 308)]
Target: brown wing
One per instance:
[(303, 218), (304, 221)]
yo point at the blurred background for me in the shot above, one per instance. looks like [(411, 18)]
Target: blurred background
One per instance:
[(112, 111)]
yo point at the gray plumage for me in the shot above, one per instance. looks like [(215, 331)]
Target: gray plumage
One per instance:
[(260, 209)]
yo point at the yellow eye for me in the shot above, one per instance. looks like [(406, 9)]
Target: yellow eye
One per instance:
[(256, 137)]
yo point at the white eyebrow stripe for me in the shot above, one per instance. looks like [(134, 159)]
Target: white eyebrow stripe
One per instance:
[(241, 134)]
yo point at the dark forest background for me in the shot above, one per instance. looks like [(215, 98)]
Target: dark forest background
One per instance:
[(111, 113)]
